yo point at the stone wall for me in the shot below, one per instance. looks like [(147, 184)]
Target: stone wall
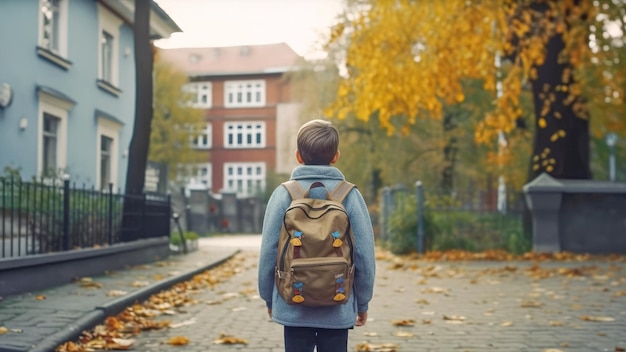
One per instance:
[(581, 216)]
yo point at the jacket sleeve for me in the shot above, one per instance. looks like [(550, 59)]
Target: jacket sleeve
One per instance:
[(272, 223), (365, 258)]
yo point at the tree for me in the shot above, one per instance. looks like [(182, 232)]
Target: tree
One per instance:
[(174, 123), (140, 141), (406, 60)]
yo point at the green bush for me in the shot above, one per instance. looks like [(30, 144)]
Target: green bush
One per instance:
[(189, 236), (448, 228), (402, 226)]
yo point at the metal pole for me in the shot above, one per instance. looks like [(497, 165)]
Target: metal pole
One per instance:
[(110, 222), (385, 216), (419, 189), (611, 139), (612, 164), (66, 212)]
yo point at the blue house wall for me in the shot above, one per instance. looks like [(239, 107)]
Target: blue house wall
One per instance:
[(24, 70)]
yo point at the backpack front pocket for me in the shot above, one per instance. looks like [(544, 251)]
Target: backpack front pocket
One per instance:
[(320, 281)]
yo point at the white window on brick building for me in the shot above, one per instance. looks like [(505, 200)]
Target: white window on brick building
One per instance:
[(247, 179), (200, 94), (244, 134), (244, 93), (202, 138)]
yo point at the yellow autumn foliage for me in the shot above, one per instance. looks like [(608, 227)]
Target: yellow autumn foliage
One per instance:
[(405, 59)]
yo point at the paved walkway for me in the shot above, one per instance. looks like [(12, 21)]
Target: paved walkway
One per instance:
[(418, 306)]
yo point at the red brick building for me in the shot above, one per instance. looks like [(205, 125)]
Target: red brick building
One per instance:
[(251, 120)]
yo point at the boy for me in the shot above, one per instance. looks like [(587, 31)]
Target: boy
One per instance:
[(323, 327)]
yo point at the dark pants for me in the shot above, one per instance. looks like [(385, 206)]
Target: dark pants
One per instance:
[(305, 339)]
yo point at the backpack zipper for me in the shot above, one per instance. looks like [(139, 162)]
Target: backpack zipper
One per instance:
[(286, 246)]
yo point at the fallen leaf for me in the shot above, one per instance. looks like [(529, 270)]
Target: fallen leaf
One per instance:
[(531, 304), (139, 283), (435, 290), (403, 334), (454, 317), (385, 347), (225, 339), (116, 293), (88, 282), (552, 350), (183, 323), (3, 330), (403, 322), (596, 319), (119, 343), (40, 297), (178, 341), (370, 334), (507, 323)]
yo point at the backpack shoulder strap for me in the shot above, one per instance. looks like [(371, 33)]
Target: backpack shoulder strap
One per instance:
[(295, 190), (341, 191)]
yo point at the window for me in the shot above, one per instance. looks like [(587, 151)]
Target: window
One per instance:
[(50, 144), (200, 94), (107, 57), (244, 93), (195, 174), (107, 149), (53, 112), (51, 25), (244, 135), (108, 50), (202, 139), (52, 42), (245, 178), (106, 144)]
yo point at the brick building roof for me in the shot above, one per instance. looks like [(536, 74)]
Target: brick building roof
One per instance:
[(233, 60)]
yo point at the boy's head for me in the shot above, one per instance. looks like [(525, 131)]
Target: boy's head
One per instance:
[(318, 143)]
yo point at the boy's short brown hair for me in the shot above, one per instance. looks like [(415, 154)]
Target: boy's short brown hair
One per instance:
[(318, 141)]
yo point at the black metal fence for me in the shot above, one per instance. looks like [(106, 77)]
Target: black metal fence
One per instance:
[(45, 217), (471, 219)]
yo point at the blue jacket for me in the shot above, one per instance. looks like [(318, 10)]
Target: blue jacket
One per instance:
[(333, 317)]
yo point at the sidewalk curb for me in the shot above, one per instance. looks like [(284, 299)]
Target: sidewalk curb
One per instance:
[(113, 307), (71, 332)]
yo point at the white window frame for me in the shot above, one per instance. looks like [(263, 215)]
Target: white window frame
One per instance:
[(193, 175), (202, 94), (250, 93), (49, 104), (110, 24), (110, 129), (203, 174), (244, 135), (202, 139), (60, 34), (246, 179)]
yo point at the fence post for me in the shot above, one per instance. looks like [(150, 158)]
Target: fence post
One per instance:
[(143, 217), (385, 216), (66, 212), (110, 217), (419, 190)]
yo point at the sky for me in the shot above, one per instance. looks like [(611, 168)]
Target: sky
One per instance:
[(218, 23)]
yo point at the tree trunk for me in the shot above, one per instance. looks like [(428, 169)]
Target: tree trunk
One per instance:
[(449, 154), (140, 142), (567, 157)]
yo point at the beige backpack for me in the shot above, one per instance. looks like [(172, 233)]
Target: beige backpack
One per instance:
[(315, 263)]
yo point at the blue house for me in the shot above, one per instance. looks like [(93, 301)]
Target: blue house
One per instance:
[(67, 87)]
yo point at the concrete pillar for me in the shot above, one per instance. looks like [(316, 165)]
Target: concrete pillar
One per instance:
[(543, 196)]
